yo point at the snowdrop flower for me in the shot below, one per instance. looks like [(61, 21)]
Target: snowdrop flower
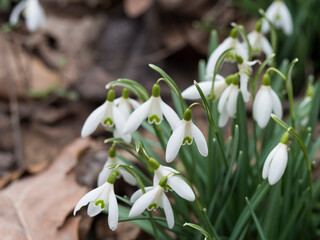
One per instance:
[(245, 70), (99, 199), (279, 15), (276, 161), (154, 197), (191, 93), (229, 42), (174, 182), (259, 43), (108, 114), (305, 105), (105, 172), (266, 102), (124, 103), (35, 16), (184, 134), (153, 109), (227, 105)]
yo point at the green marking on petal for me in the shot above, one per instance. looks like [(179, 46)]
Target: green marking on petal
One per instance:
[(152, 206), (101, 202), (187, 140), (108, 122), (154, 119)]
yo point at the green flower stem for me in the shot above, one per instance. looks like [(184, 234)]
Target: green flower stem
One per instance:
[(244, 35), (160, 136), (277, 71), (290, 90), (302, 146)]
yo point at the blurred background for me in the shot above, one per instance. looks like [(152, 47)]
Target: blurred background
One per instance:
[(50, 80)]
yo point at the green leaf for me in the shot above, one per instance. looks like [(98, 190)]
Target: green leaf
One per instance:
[(200, 229), (256, 221), (213, 43)]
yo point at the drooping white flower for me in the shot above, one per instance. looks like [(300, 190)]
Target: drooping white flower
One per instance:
[(245, 70), (153, 109), (175, 182), (125, 103), (153, 198), (185, 132), (105, 172), (229, 42), (191, 93), (276, 162), (266, 102), (227, 105), (34, 14), (259, 43), (99, 199), (279, 15), (109, 115)]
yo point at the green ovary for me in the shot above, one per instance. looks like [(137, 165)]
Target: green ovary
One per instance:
[(108, 121), (154, 119), (187, 140), (101, 202)]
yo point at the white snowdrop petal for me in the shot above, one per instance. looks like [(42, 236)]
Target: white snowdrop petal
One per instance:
[(175, 142), (135, 104), (199, 140), (276, 104), (128, 177), (118, 117), (104, 174), (266, 47), (167, 210), (191, 93), (93, 210), (35, 16), (126, 137), (124, 107), (278, 164), (286, 19), (223, 99), (144, 201), (137, 117), (216, 54), (93, 120), (219, 87), (181, 188), (232, 101), (244, 86), (171, 116), (266, 165), (263, 107), (241, 50), (89, 197), (113, 214), (223, 118), (14, 16), (137, 194)]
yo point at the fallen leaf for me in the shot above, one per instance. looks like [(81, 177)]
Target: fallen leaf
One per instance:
[(134, 8), (37, 207)]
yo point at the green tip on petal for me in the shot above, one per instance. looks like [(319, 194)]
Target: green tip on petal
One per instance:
[(152, 206), (187, 114), (101, 202), (125, 93), (112, 152), (266, 80), (111, 95), (285, 138), (258, 25), (239, 59), (112, 178), (154, 164), (234, 33), (156, 90), (163, 182)]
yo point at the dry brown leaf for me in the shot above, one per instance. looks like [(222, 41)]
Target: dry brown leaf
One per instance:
[(37, 207), (134, 8)]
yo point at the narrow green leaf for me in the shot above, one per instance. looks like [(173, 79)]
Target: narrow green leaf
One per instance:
[(200, 229)]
